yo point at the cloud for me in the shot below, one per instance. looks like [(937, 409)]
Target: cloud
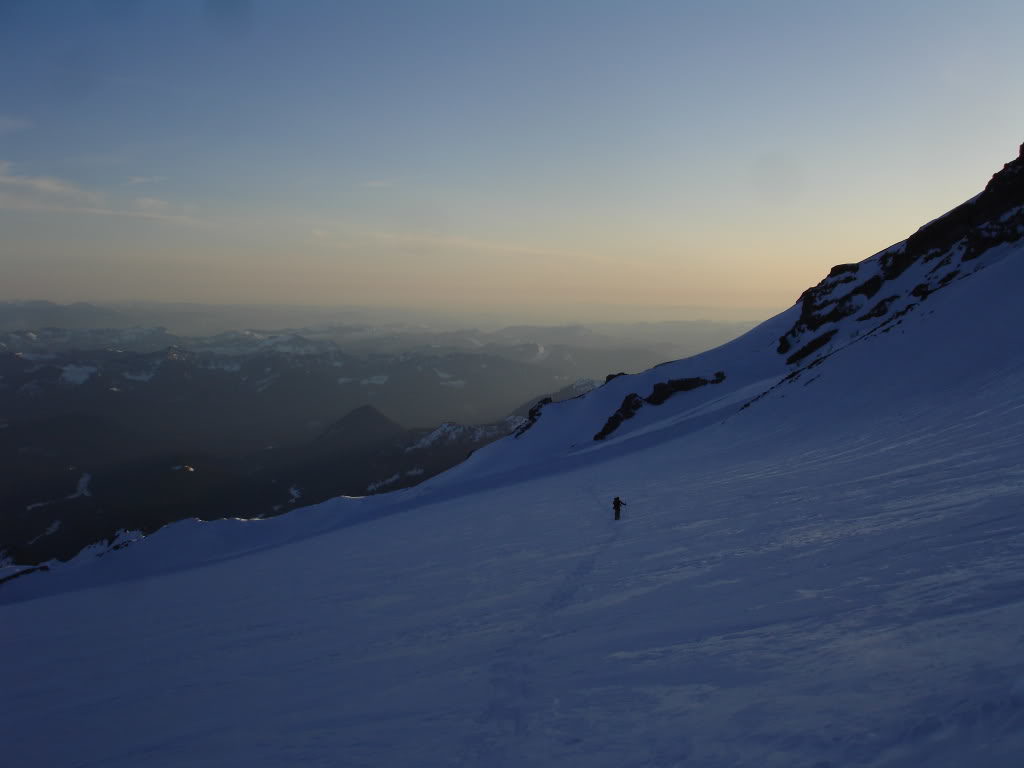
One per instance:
[(351, 235), (466, 243), (133, 180), (9, 125), (45, 188), (118, 156), (152, 205), (45, 193)]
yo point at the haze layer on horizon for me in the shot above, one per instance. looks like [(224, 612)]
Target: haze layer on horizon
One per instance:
[(475, 155)]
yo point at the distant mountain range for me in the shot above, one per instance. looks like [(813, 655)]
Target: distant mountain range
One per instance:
[(191, 319), (131, 428), (16, 315)]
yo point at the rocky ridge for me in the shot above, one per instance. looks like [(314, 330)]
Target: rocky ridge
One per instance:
[(881, 289)]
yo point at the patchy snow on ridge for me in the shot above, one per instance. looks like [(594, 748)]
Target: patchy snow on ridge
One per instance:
[(82, 489), (378, 484), (214, 364), (35, 357), (83, 486), (582, 386), (51, 529), (76, 374), (142, 376), (450, 432)]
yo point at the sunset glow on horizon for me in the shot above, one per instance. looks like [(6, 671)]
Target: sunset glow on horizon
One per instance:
[(485, 154)]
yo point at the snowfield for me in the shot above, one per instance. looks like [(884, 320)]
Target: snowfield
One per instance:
[(831, 576)]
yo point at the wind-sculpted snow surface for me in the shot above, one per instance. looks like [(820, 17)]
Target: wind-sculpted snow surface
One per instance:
[(831, 576)]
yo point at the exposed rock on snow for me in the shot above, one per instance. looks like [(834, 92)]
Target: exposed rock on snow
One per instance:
[(532, 416), (662, 391)]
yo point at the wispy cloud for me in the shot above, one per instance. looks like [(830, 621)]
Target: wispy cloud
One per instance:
[(45, 188), (152, 205), (466, 243), (134, 180), (119, 156), (349, 234), (45, 193), (9, 125)]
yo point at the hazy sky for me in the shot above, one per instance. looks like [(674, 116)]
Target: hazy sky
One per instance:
[(495, 152)]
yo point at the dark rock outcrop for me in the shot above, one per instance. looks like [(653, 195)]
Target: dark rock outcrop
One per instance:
[(532, 416), (631, 403), (661, 392), (843, 269), (810, 347)]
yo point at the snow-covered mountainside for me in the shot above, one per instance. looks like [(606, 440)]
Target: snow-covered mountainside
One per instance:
[(821, 562)]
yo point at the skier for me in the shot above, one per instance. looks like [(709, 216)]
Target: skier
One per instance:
[(617, 505)]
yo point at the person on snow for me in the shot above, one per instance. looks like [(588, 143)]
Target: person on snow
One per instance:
[(617, 505)]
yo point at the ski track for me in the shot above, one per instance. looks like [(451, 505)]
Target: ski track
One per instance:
[(513, 708)]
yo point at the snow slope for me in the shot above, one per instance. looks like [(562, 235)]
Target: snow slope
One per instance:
[(831, 576)]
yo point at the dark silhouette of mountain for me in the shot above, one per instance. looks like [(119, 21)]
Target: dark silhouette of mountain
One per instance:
[(363, 426)]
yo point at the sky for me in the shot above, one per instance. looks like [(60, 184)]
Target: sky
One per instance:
[(486, 154)]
